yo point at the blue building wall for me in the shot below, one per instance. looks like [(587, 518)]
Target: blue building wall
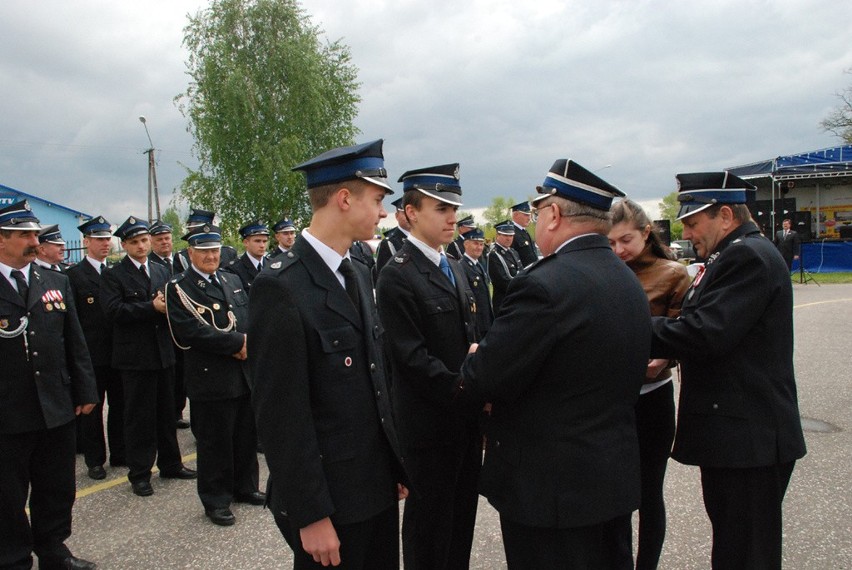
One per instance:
[(50, 213)]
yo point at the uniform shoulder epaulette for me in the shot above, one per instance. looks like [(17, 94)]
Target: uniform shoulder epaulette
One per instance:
[(178, 278), (283, 261), (233, 261), (401, 257), (537, 263)]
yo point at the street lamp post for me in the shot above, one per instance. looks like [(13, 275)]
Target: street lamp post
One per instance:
[(153, 192)]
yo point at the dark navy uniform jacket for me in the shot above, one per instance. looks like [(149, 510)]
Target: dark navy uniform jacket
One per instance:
[(86, 284), (562, 365), (44, 379), (734, 339), (199, 318), (503, 264), (477, 278), (321, 395), (388, 247), (524, 245)]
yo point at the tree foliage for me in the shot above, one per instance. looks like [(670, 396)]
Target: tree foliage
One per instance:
[(265, 94), (498, 210), (669, 208), (839, 121)]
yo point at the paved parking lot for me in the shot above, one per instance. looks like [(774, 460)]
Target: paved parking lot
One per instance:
[(169, 531)]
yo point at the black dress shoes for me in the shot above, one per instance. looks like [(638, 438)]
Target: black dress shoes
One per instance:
[(221, 517), (253, 498), (72, 563), (142, 488), (182, 473), (97, 472)]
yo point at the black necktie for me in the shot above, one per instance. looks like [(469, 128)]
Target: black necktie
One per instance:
[(145, 273), (214, 281), (103, 268), (351, 281), (23, 289)]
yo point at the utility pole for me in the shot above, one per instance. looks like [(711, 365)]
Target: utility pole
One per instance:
[(153, 192)]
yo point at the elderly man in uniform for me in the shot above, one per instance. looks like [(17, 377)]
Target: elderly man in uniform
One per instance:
[(394, 237), (562, 458), (477, 277), (522, 242), (427, 307), (322, 403), (208, 316), (503, 262), (47, 380), (133, 299), (86, 278), (51, 249), (738, 417), (255, 237), (285, 235)]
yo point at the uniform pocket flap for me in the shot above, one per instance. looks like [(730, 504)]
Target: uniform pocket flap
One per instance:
[(335, 340)]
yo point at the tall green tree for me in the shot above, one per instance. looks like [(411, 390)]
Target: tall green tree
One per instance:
[(498, 210), (669, 208), (266, 92), (839, 121)]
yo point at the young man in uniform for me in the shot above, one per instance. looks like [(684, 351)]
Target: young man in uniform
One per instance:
[(427, 309), (503, 262), (255, 237), (522, 241), (285, 236), (322, 403)]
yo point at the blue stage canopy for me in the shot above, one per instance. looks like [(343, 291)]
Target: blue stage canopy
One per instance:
[(828, 162)]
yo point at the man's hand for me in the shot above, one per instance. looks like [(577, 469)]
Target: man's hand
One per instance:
[(85, 409), (319, 539), (655, 366), (160, 303), (242, 354)]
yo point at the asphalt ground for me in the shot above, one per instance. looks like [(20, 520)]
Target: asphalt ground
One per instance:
[(168, 530)]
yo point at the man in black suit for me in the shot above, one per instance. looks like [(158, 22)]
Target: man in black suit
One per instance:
[(394, 238), (738, 417), (562, 458), (322, 403), (477, 278), (522, 241), (47, 380), (208, 317), (133, 300), (456, 247), (255, 237), (503, 262), (285, 234), (788, 243), (426, 307), (86, 278), (162, 252)]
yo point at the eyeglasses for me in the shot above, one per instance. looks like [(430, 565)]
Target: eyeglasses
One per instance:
[(535, 212)]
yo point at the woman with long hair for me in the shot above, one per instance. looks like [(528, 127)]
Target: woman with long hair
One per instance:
[(634, 240)]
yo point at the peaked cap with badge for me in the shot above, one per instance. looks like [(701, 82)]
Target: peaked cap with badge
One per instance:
[(522, 207), (254, 228), (51, 234), (439, 182), (506, 228), (284, 225), (204, 237), (131, 228), (700, 190), (476, 234), (466, 222), (199, 217), (358, 162), (159, 227), (569, 180), (97, 227), (18, 216)]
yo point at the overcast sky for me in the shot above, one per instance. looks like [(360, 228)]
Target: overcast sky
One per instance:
[(651, 88)]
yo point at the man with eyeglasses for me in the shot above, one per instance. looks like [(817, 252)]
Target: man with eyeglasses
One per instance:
[(562, 456), (503, 262)]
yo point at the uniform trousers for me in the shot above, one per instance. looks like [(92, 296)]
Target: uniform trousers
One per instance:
[(180, 385), (440, 512), (39, 464), (369, 545), (744, 506), (226, 440), (655, 426), (149, 422), (579, 548), (110, 386)]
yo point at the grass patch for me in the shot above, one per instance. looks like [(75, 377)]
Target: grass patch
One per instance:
[(826, 278)]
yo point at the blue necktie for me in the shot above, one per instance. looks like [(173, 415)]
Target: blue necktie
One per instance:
[(445, 267)]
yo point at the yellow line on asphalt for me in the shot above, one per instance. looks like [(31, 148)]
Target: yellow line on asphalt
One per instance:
[(821, 303), (86, 491)]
